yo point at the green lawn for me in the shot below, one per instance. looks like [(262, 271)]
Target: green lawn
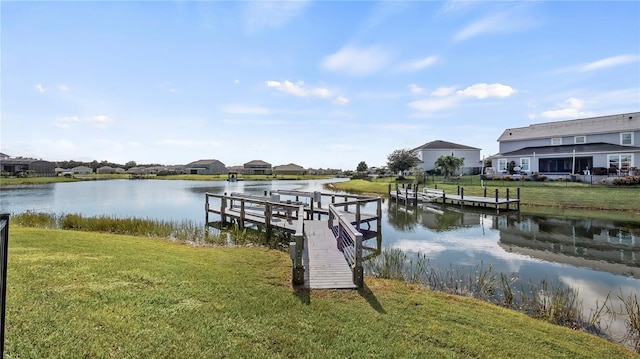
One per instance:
[(77, 294), (554, 195)]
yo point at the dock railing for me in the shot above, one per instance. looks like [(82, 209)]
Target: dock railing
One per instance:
[(349, 240), (4, 247), (296, 249)]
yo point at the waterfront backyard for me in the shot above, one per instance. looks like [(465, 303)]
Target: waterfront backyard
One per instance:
[(462, 239)]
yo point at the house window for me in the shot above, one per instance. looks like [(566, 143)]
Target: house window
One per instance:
[(502, 165), (626, 138), (622, 161), (556, 141), (524, 164), (580, 139)]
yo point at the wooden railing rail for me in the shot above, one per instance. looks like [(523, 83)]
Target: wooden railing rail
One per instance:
[(349, 240)]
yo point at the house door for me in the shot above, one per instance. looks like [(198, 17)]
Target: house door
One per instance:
[(582, 164)]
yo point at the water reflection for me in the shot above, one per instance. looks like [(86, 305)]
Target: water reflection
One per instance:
[(612, 247), (601, 245)]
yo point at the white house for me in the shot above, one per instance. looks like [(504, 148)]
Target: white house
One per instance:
[(431, 151), (82, 170), (597, 145)]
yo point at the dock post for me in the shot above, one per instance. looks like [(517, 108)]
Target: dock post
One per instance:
[(518, 194), (206, 209), (458, 190), (241, 214), (267, 219), (223, 205), (388, 190), (310, 214), (358, 272), (507, 198), (358, 217), (461, 189), (379, 217), (497, 208)]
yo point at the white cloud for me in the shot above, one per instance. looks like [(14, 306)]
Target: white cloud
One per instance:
[(299, 89), (100, 121), (39, 88), (341, 100), (610, 62), (357, 61), (434, 104), (63, 88), (416, 89), (418, 64), (503, 22), (236, 81), (484, 90), (271, 14), (443, 91), (246, 110), (571, 108), (447, 97), (65, 122), (172, 90)]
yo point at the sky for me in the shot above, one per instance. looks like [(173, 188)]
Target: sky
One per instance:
[(322, 84)]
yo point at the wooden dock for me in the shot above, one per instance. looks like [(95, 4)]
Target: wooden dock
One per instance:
[(326, 252), (415, 196), (325, 265)]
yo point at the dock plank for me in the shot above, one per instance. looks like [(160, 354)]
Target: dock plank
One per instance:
[(326, 265)]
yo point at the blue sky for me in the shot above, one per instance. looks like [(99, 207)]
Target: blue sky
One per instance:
[(320, 84)]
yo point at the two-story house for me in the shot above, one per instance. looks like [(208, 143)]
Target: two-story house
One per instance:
[(598, 145), (431, 151), (257, 167)]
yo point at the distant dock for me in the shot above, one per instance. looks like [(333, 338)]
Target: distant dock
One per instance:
[(414, 196)]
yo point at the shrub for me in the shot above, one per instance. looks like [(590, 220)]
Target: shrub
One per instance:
[(627, 181)]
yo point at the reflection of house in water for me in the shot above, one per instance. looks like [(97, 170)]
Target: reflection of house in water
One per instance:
[(596, 244)]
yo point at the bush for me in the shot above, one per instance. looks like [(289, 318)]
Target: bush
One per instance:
[(627, 181)]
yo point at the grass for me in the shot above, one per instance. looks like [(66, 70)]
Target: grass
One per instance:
[(76, 294), (554, 195)]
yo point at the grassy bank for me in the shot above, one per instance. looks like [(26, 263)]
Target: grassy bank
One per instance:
[(553, 195), (78, 294)]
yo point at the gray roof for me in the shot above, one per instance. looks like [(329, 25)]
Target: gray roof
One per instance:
[(202, 163), (289, 167), (584, 126), (257, 163), (443, 145), (567, 149)]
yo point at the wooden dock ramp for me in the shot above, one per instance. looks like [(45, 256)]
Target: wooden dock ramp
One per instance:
[(325, 264)]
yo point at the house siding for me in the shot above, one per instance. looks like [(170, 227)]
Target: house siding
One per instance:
[(554, 158)]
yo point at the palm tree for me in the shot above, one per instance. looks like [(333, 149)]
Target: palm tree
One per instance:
[(449, 165)]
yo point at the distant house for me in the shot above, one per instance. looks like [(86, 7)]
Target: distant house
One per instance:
[(4, 156), (431, 151), (597, 145), (290, 169), (206, 167), (26, 166), (106, 170), (82, 170), (257, 167)]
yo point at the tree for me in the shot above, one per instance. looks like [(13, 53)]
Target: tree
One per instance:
[(418, 175), (130, 164), (449, 164), (362, 167), (401, 160)]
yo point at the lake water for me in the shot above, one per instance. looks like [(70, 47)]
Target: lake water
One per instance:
[(595, 257)]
